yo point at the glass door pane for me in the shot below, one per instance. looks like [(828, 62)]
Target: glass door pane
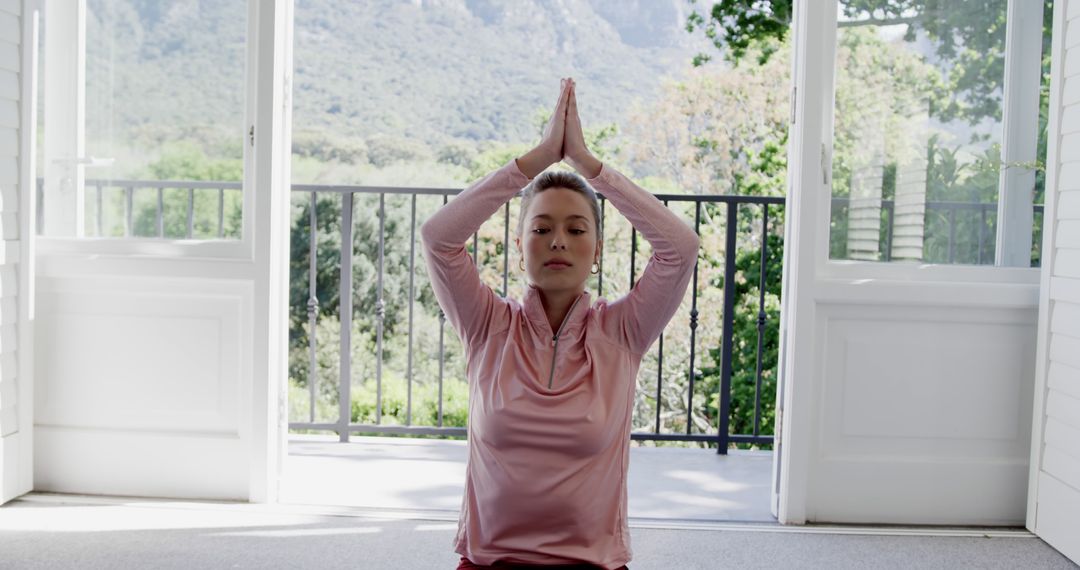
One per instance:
[(164, 122), (917, 147)]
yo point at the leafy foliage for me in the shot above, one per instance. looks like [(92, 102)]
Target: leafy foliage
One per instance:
[(968, 38)]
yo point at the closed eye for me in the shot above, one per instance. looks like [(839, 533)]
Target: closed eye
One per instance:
[(542, 230)]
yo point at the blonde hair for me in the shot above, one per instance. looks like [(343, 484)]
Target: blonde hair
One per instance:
[(560, 179)]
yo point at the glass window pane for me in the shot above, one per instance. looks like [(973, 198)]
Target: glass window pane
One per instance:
[(164, 102), (917, 131)]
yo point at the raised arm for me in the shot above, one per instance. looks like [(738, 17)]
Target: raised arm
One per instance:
[(638, 318), (471, 306)]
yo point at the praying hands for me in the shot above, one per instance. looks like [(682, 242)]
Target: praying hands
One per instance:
[(563, 140)]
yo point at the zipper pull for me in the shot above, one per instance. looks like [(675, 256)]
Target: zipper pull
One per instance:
[(553, 338)]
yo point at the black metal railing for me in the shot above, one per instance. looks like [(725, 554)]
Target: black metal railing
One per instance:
[(344, 427)]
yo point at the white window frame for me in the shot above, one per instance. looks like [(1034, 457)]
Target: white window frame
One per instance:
[(1020, 104), (262, 81)]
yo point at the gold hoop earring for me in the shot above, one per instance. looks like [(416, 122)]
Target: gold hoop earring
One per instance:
[(521, 263), (597, 268)]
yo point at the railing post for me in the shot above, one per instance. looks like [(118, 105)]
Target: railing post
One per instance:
[(221, 213), (380, 310), (600, 275), (762, 275), (312, 305), (190, 212), (890, 215), (345, 315), (982, 233), (729, 328), (97, 215), (128, 199), (693, 302), (442, 352), (506, 251), (412, 298), (952, 234)]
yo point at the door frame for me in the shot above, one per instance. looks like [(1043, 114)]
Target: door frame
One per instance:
[(269, 103)]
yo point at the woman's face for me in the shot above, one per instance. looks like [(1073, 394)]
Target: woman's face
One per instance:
[(559, 224)]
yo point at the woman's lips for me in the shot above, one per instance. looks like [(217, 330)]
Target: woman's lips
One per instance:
[(556, 265)]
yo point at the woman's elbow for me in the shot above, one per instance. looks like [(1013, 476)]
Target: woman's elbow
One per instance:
[(692, 246), (427, 235)]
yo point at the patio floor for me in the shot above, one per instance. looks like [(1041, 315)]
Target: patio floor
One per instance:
[(426, 475)]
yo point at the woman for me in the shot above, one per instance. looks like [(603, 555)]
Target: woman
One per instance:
[(552, 378)]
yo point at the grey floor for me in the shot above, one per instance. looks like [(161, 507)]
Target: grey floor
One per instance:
[(66, 531), (392, 503)]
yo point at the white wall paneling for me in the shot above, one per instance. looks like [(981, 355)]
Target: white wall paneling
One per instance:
[(925, 414), (147, 397)]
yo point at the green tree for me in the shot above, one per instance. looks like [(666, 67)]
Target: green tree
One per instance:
[(179, 160)]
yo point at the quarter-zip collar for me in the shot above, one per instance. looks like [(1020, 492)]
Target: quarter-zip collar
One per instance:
[(571, 325), (574, 320)]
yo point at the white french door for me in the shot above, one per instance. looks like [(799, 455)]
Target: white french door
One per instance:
[(162, 357), (906, 385)]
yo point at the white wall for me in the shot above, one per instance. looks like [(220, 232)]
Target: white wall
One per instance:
[(1054, 495), (148, 399)]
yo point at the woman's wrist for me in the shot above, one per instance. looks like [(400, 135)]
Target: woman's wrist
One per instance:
[(587, 165), (536, 161)]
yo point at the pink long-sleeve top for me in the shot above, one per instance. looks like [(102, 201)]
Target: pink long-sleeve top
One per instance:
[(547, 467)]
